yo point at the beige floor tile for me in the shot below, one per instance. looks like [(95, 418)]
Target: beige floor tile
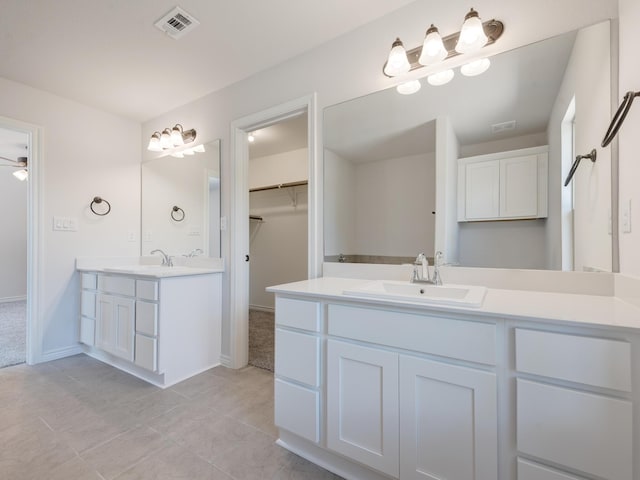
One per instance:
[(74, 469), (173, 463), (201, 383), (297, 468), (122, 452)]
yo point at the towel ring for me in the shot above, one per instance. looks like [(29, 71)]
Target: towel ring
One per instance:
[(177, 214), (98, 201), (591, 156), (619, 117)]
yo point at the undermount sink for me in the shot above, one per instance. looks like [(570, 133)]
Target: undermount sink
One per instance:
[(461, 295)]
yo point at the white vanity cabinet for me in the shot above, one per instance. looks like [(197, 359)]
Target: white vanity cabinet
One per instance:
[(503, 186), (163, 330)]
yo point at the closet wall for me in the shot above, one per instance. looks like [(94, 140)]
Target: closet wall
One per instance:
[(278, 243), (13, 240)]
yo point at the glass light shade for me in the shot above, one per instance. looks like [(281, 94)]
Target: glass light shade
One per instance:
[(177, 155), (176, 136), (198, 149), (21, 175), (154, 143), (433, 50), (188, 152), (440, 78), (397, 63), (476, 67), (165, 139), (408, 88), (472, 36)]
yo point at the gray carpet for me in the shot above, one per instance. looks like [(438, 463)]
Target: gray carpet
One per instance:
[(261, 339), (13, 333)]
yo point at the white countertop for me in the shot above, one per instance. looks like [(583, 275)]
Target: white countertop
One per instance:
[(144, 266), (589, 310)]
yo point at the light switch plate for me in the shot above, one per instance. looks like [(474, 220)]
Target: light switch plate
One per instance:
[(626, 217), (65, 224)]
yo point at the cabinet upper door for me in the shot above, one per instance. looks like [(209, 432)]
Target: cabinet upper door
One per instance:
[(362, 405), (519, 186), (482, 186)]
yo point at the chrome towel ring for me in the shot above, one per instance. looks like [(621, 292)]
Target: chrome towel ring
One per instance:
[(177, 214), (99, 201), (591, 156), (618, 118)]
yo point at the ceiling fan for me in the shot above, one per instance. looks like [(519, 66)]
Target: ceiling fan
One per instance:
[(20, 163)]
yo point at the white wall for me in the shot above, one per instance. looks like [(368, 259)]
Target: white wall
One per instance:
[(629, 143), (339, 205), (13, 240), (77, 163), (395, 199), (358, 57), (278, 245), (447, 228)]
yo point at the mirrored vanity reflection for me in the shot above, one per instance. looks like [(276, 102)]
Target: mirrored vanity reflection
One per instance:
[(394, 183), (181, 203)]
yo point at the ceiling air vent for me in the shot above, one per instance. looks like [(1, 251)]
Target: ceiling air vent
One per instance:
[(503, 127), (177, 23)]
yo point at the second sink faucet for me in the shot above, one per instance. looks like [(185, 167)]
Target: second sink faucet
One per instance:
[(166, 259), (420, 272)]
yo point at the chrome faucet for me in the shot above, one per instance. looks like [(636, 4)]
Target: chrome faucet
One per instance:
[(437, 263), (194, 253), (421, 270), (166, 259)]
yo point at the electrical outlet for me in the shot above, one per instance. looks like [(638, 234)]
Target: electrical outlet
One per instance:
[(626, 217)]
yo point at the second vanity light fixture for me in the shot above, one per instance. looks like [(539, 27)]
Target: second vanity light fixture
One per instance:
[(168, 139), (472, 37)]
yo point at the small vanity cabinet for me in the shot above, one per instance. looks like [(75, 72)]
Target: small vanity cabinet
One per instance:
[(161, 329), (503, 186)]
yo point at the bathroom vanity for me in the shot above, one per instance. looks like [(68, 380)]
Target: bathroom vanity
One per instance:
[(161, 324), (528, 386)]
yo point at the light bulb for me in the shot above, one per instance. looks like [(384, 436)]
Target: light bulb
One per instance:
[(176, 136), (397, 63), (440, 78), (251, 138), (433, 50), (472, 36), (154, 143), (476, 67), (408, 88), (165, 139)]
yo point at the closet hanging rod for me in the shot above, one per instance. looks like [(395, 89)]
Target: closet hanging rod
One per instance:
[(280, 185), (256, 217)]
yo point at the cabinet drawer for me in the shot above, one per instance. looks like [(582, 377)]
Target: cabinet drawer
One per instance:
[(298, 356), (297, 409), (587, 432), (89, 281), (118, 285), (146, 352), (532, 471), (472, 341), (87, 331), (88, 304), (147, 318), (591, 361), (301, 314), (147, 289)]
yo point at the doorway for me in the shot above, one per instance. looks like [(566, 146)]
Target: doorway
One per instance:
[(237, 354), (15, 156)]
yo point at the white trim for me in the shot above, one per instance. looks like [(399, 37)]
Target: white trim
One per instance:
[(225, 361), (35, 333), (239, 227), (19, 298)]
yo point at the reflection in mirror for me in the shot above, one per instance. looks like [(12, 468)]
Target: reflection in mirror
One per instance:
[(192, 184), (392, 164)]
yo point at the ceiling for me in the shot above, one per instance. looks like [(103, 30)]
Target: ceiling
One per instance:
[(284, 136), (108, 54), (520, 85)]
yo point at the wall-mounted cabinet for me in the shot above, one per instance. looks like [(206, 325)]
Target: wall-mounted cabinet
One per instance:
[(503, 186)]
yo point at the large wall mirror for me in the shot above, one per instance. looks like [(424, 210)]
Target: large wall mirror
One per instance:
[(391, 162), (181, 203)]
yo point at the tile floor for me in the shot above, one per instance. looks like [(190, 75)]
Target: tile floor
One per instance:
[(77, 419)]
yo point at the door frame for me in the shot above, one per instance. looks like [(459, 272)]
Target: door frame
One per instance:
[(239, 214), (34, 336)]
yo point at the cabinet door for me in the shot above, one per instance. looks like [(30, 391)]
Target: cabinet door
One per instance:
[(448, 420), (519, 186), (482, 190), (362, 405), (115, 325)]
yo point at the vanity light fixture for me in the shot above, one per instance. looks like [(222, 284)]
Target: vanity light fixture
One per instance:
[(435, 49), (475, 67), (171, 138), (472, 37), (409, 88), (440, 78)]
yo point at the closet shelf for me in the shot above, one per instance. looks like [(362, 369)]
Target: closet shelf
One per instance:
[(278, 186)]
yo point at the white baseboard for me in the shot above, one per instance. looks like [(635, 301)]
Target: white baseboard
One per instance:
[(225, 361), (19, 298), (58, 353), (262, 309)]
